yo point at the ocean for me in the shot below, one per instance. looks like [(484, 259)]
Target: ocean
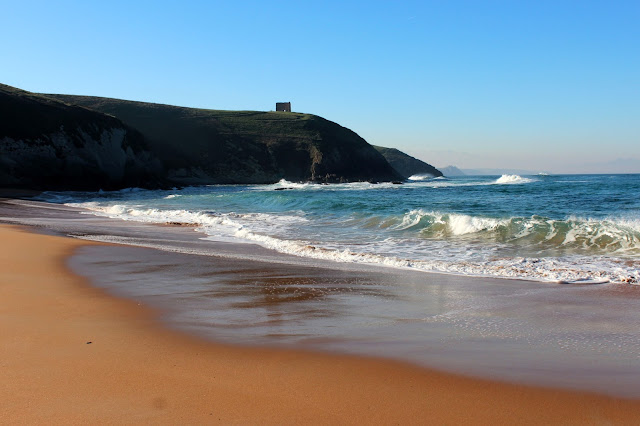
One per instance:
[(573, 229)]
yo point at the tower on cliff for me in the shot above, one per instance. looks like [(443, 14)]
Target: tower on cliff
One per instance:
[(283, 106)]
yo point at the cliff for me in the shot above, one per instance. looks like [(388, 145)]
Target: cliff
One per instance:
[(200, 146), (405, 164), (47, 144)]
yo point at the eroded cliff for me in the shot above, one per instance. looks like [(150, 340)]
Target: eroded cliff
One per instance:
[(47, 144)]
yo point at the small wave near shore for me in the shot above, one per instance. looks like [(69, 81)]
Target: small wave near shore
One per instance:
[(558, 229)]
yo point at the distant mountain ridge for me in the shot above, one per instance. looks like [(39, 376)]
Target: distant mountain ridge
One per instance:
[(452, 171), (405, 164)]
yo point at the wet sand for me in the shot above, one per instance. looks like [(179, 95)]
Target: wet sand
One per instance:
[(72, 354), (572, 337)]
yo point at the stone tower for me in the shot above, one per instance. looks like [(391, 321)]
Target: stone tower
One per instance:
[(283, 106)]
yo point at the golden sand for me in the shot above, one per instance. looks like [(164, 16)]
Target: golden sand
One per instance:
[(71, 354)]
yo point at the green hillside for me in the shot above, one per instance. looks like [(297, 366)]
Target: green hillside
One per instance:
[(212, 146)]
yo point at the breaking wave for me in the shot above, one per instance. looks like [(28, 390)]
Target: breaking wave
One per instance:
[(464, 244), (512, 179), (421, 177), (604, 236)]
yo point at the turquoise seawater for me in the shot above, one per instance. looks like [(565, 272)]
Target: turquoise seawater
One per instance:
[(564, 228)]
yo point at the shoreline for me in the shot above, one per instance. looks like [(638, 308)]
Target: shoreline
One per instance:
[(135, 370), (562, 337)]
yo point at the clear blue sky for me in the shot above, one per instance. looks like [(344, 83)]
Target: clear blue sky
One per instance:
[(540, 85)]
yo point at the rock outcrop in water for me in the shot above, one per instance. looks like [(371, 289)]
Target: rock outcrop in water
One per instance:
[(47, 144), (199, 146), (405, 164)]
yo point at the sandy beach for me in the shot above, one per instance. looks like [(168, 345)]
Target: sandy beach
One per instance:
[(320, 213), (72, 354)]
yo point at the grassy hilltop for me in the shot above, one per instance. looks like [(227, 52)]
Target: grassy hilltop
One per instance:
[(211, 146)]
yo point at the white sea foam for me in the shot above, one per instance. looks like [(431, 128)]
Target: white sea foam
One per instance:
[(550, 270), (610, 235), (283, 183), (410, 219), (448, 223), (226, 223), (463, 224), (309, 186), (413, 182), (512, 179), (421, 177), (538, 233), (270, 230)]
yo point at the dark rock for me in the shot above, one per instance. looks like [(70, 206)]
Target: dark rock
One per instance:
[(47, 144)]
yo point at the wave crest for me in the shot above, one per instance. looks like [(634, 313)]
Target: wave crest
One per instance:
[(461, 241), (421, 176), (511, 179), (540, 233)]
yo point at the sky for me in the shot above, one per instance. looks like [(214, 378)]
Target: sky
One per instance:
[(539, 85)]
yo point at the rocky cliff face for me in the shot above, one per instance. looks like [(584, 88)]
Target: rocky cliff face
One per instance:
[(47, 144), (407, 165), (200, 146)]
